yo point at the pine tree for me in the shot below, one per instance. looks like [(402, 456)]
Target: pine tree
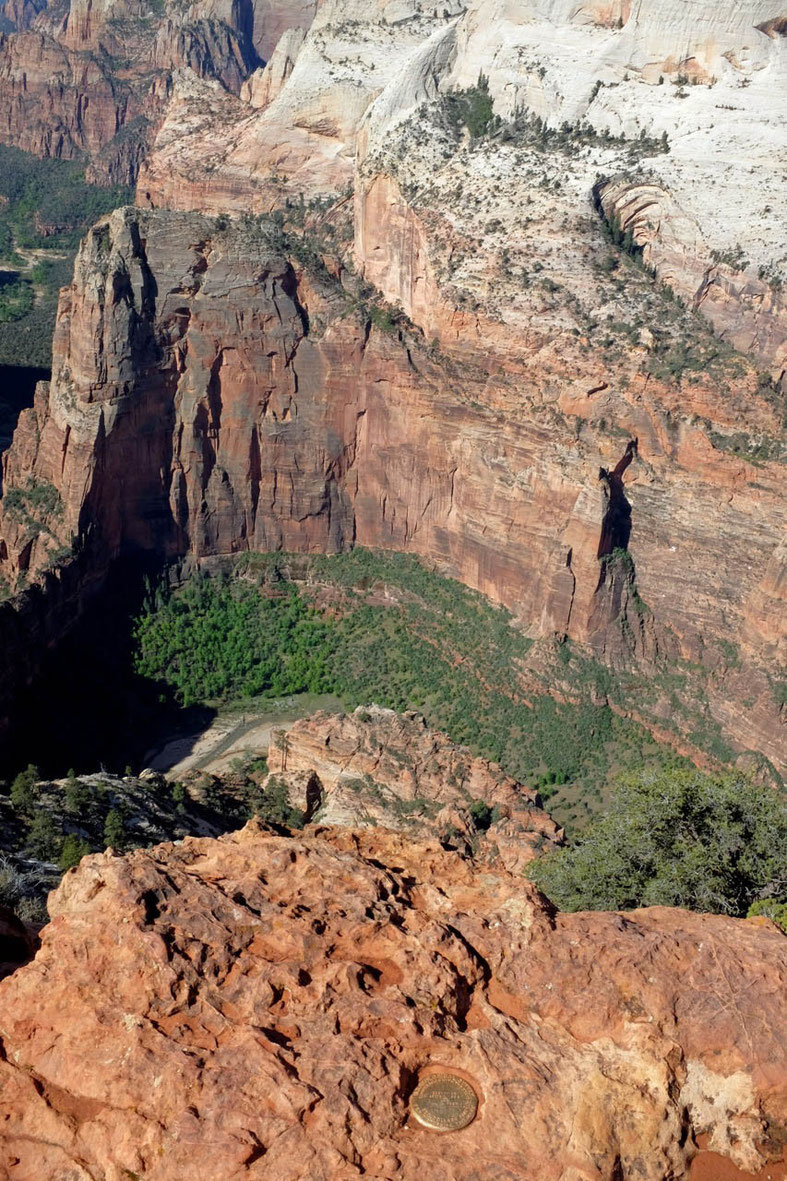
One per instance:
[(25, 790), (74, 849), (114, 830)]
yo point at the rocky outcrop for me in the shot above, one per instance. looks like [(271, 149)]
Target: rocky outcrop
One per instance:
[(304, 142), (765, 619), (264, 1005), (264, 85), (20, 14), (210, 397), (273, 19), (743, 308), (377, 767)]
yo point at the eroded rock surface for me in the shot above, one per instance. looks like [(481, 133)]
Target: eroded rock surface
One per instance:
[(375, 766), (263, 1005)]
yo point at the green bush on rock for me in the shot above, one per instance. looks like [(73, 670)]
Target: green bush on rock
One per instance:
[(713, 843), (770, 909)]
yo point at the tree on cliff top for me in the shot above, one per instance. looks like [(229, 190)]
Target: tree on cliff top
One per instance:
[(25, 790), (713, 843)]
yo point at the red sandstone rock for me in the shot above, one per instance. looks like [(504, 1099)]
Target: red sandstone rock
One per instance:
[(190, 412), (375, 766), (263, 1006), (96, 80)]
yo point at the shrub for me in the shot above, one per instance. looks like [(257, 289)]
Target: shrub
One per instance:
[(44, 838), (472, 108), (114, 830), (11, 882), (273, 805), (677, 838), (771, 909), (483, 816), (32, 909), (33, 503), (74, 849), (382, 318)]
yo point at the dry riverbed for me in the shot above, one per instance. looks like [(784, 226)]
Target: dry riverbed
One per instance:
[(239, 729)]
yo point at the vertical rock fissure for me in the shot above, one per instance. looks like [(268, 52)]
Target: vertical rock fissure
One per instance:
[(615, 508)]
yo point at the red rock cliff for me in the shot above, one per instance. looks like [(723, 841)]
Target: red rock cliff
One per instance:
[(94, 81), (208, 398)]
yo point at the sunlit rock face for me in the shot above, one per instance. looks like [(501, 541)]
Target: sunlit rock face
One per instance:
[(92, 80), (377, 767), (707, 76), (209, 396), (264, 1005)]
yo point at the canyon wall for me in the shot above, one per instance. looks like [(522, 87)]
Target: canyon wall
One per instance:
[(93, 80), (55, 103), (676, 97), (209, 396)]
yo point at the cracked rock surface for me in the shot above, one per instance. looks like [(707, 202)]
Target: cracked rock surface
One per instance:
[(261, 1005)]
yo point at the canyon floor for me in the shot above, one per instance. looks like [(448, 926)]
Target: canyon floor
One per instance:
[(245, 730)]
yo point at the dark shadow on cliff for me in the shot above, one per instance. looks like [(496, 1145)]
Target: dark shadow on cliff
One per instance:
[(88, 709), (621, 624), (17, 387), (616, 509)]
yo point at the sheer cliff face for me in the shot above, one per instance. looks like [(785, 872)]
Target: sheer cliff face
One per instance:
[(357, 101), (263, 1006), (207, 397), (206, 422)]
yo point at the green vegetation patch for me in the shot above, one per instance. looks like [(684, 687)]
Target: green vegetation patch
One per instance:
[(677, 838), (380, 627), (218, 638), (472, 108), (37, 498), (33, 506), (16, 296)]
